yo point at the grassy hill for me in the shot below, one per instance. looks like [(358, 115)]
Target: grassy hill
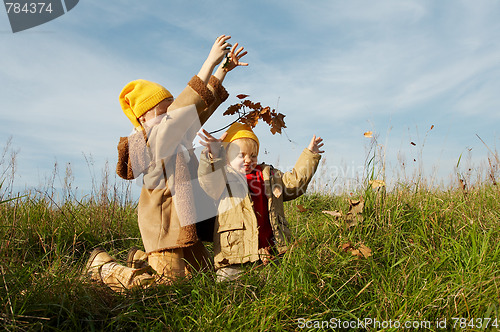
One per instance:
[(424, 257)]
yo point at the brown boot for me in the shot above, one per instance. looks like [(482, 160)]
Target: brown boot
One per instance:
[(98, 257), (103, 268), (137, 259)]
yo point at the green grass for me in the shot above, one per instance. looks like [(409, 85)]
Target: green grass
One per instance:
[(436, 256)]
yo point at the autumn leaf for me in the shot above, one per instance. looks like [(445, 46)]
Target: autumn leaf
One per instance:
[(251, 119), (356, 206), (278, 123), (376, 183), (365, 251), (232, 109), (333, 213), (361, 252), (301, 208), (346, 246), (432, 127), (413, 143), (357, 253), (250, 113), (248, 104), (354, 215), (265, 114), (368, 134)]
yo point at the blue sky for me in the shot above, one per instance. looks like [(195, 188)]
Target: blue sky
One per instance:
[(335, 68)]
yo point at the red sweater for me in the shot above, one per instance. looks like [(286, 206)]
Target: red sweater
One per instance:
[(258, 193)]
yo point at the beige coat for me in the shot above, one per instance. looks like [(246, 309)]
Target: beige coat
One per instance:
[(236, 238), (153, 153)]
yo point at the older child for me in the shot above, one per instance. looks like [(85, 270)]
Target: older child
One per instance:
[(159, 149), (251, 223)]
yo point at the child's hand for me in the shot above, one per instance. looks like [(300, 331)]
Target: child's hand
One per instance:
[(233, 59), (316, 144), (211, 143), (219, 49)]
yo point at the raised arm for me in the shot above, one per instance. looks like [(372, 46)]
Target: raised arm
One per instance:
[(231, 61), (219, 49), (297, 180)]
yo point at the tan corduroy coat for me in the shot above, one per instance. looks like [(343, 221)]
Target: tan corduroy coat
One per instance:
[(236, 238), (138, 154)]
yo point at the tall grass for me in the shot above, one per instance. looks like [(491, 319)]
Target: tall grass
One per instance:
[(435, 257)]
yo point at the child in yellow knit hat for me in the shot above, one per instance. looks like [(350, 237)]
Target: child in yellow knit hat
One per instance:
[(159, 150), (250, 224)]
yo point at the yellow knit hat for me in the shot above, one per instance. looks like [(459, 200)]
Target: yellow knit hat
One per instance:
[(139, 96), (239, 130)]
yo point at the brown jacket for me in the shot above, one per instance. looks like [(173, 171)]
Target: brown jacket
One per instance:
[(236, 232), (155, 152)]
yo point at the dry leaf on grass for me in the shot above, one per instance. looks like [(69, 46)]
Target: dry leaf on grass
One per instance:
[(346, 246), (367, 252), (361, 252), (335, 213), (301, 208), (354, 215), (356, 206)]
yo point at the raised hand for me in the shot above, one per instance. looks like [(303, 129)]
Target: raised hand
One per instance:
[(211, 143), (233, 58), (316, 144), (219, 49)]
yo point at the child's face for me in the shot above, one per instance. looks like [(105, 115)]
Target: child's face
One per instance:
[(242, 155), (159, 109)]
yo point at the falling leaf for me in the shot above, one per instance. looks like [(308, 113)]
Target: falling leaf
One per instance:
[(463, 185), (333, 213), (368, 134), (413, 143), (376, 183), (301, 208), (242, 96), (432, 127)]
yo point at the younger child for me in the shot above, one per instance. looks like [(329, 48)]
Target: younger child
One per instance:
[(251, 223), (159, 149)]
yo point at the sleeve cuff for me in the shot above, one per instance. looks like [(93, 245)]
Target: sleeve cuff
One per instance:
[(202, 90), (219, 90)]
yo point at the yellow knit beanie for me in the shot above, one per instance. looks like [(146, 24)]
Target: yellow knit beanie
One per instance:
[(239, 130), (139, 96)]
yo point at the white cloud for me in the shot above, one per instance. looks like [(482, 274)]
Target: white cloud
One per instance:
[(336, 67)]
